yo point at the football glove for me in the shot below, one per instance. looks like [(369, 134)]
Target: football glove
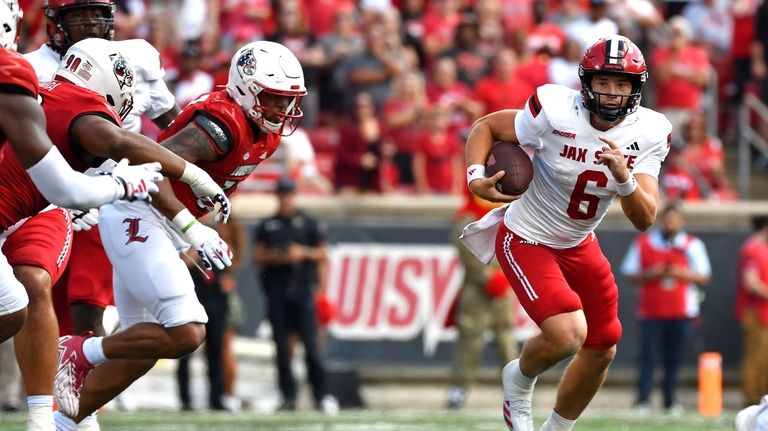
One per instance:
[(138, 181), (84, 220)]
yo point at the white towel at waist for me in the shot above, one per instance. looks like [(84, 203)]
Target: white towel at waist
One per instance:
[(480, 236)]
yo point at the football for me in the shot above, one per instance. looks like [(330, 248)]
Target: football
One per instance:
[(516, 164)]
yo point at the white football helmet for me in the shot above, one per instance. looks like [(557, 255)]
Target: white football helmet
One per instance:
[(10, 18), (262, 69), (97, 64)]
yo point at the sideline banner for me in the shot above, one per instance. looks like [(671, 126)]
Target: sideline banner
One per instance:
[(398, 292)]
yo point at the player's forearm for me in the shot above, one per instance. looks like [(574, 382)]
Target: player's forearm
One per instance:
[(166, 201), (479, 142), (139, 149), (62, 186), (640, 209), (496, 126)]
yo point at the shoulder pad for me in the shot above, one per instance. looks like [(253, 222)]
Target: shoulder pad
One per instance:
[(217, 131)]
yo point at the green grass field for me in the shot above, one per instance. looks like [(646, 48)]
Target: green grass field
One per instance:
[(372, 421)]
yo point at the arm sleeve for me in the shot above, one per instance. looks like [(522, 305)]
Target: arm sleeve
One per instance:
[(62, 186)]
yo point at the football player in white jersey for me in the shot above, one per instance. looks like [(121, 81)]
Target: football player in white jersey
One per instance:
[(588, 147)]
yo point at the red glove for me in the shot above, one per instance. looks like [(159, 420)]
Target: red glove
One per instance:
[(497, 285), (325, 309)]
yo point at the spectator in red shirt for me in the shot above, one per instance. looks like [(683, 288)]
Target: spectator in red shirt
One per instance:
[(677, 182), (752, 311), (670, 266), (471, 64), (243, 19), (437, 160), (402, 113), (445, 89), (681, 74), (321, 14), (440, 21), (503, 89), (704, 156), (358, 157), (490, 27)]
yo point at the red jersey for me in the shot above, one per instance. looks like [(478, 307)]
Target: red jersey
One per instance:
[(240, 143), (63, 103), (16, 74), (754, 255), (677, 92), (663, 298)]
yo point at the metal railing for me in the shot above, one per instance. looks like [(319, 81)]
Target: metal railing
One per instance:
[(750, 136)]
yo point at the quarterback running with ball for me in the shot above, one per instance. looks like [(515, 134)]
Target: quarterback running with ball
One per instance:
[(589, 146)]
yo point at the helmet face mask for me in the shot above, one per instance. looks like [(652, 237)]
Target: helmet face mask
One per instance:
[(267, 81), (71, 21), (613, 56)]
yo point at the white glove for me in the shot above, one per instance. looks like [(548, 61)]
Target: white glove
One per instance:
[(138, 180), (208, 192), (84, 220), (213, 251)]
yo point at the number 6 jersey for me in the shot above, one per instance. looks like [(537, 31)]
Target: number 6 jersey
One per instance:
[(570, 192)]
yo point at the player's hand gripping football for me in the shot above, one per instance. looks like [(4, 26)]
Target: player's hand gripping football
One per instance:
[(613, 158), (486, 188), (138, 181), (213, 251)]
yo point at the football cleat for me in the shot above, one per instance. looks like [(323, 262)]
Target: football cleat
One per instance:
[(71, 372), (517, 401)]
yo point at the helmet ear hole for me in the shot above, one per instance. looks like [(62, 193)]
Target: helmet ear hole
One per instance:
[(111, 100), (240, 90)]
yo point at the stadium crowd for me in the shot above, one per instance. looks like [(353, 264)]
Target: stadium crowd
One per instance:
[(394, 85)]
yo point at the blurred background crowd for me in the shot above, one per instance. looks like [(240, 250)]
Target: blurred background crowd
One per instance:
[(395, 84)]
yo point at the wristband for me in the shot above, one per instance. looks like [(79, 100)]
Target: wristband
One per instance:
[(184, 220), (627, 187), (475, 172)]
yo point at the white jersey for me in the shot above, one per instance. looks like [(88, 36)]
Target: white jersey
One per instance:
[(152, 97), (570, 193)]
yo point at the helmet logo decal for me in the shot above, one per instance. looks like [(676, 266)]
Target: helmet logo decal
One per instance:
[(614, 53), (123, 73), (246, 63)]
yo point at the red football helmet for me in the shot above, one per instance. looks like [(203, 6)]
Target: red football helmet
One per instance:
[(614, 55), (55, 10)]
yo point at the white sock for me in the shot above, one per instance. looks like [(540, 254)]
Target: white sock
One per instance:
[(93, 351), (64, 423), (40, 401), (40, 411), (519, 379), (555, 422)]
